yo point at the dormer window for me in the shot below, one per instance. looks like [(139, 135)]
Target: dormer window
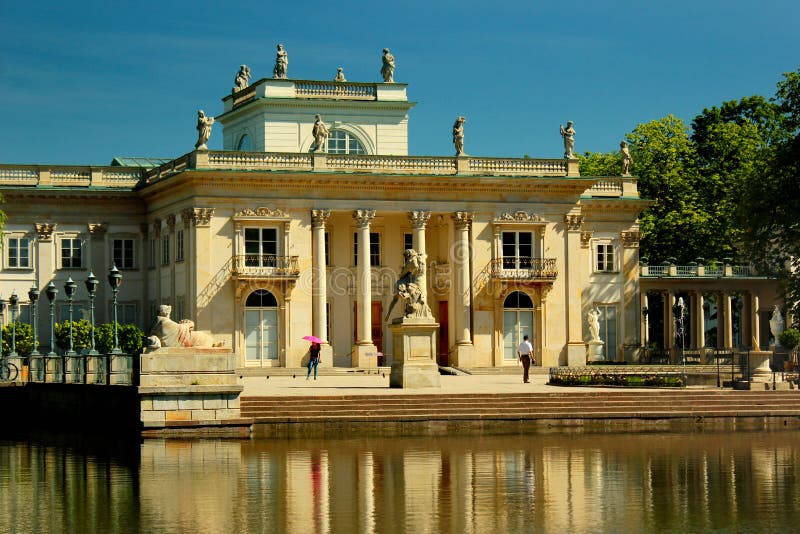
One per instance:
[(342, 142)]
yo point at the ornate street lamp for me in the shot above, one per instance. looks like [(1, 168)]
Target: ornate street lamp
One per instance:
[(13, 301), (69, 290), (52, 291), (115, 280), (33, 295), (91, 287), (645, 313)]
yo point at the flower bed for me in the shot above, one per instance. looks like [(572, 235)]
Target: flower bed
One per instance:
[(583, 376)]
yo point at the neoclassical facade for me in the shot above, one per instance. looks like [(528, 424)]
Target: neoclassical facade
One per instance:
[(273, 239)]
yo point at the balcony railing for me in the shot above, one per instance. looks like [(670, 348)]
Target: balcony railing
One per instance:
[(698, 271), (265, 266), (513, 268)]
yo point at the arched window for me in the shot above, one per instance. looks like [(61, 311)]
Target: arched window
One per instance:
[(245, 144), (517, 322), (342, 142), (261, 328)]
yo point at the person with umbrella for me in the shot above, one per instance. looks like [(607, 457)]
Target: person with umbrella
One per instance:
[(313, 355)]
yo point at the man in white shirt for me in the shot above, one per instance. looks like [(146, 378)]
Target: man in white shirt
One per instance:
[(525, 354)]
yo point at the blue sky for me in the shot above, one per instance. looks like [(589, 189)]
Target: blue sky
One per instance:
[(82, 82)]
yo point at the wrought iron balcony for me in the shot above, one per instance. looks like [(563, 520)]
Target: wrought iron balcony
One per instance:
[(265, 266), (514, 268)]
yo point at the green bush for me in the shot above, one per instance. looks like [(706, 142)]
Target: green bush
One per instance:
[(81, 335), (23, 339), (790, 338), (130, 337)]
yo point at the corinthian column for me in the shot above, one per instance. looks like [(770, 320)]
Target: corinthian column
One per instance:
[(462, 298), (364, 347), (419, 219), (319, 291)]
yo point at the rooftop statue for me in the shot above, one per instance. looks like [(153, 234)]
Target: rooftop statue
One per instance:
[(172, 334), (627, 160), (458, 135), (320, 133), (387, 70), (339, 75), (568, 134), (203, 130), (281, 63), (242, 79), (407, 287)]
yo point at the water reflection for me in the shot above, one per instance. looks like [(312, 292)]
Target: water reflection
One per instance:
[(552, 483)]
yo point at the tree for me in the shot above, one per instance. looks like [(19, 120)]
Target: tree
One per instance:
[(600, 163), (23, 339)]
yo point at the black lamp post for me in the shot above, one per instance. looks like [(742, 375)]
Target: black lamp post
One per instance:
[(33, 295), (645, 313), (91, 286), (13, 301), (115, 280), (69, 290), (51, 291)]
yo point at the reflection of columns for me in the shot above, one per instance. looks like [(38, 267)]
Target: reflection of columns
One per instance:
[(418, 221), (363, 218), (756, 339), (319, 277), (462, 301)]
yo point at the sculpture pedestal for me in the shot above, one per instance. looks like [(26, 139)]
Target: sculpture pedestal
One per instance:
[(759, 366), (594, 351), (414, 359), (363, 355)]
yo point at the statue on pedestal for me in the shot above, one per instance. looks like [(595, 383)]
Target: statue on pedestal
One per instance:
[(320, 133), (203, 130), (627, 160), (281, 63), (387, 70), (593, 317), (339, 75), (568, 134), (242, 79), (407, 287), (168, 333), (458, 135), (776, 324)]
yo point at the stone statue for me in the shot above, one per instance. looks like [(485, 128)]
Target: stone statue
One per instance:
[(387, 70), (594, 324), (203, 130), (568, 134), (320, 133), (776, 324), (242, 79), (626, 158), (458, 135), (407, 287), (339, 75), (168, 333), (281, 63)]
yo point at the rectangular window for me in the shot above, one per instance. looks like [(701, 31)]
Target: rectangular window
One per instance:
[(180, 308), (80, 310), (261, 247), (19, 253), (604, 257), (374, 249), (71, 248), (123, 256), (126, 313), (608, 329), (179, 245), (165, 250), (151, 262), (327, 248), (408, 241), (517, 250)]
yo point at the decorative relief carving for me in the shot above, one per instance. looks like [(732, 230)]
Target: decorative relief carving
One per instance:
[(171, 222), (573, 221), (363, 217), (586, 237), (419, 219), (157, 228), (272, 213), (461, 219), (98, 229), (198, 216), (630, 239), (44, 231), (318, 218), (519, 216)]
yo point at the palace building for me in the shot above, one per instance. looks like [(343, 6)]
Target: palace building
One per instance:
[(273, 238)]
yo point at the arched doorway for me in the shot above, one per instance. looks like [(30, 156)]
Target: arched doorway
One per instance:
[(517, 322), (261, 329)]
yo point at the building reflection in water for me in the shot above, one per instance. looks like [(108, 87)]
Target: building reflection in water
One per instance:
[(558, 483)]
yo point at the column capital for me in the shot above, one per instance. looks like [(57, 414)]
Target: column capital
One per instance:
[(198, 216), (363, 217), (44, 231), (318, 218), (98, 229), (171, 222), (419, 219), (573, 221), (461, 219)]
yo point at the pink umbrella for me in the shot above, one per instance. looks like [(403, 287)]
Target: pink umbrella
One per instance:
[(312, 339)]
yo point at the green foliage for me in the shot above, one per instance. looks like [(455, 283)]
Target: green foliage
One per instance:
[(790, 338), (23, 339), (130, 337), (81, 335), (600, 163), (585, 377), (104, 338)]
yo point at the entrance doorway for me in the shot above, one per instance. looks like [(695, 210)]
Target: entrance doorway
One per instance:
[(517, 322), (444, 337), (261, 329)]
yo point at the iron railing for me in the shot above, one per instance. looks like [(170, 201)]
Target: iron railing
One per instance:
[(516, 268), (265, 265)]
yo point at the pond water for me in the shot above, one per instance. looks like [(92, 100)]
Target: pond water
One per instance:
[(720, 482)]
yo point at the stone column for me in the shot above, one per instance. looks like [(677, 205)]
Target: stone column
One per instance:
[(700, 322), (464, 353), (756, 338), (727, 327), (419, 219), (630, 311), (364, 347), (573, 299), (669, 323), (319, 291)]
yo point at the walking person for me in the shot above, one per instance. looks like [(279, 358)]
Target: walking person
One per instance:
[(313, 360), (525, 354)]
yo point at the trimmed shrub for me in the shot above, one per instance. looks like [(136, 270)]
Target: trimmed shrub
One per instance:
[(23, 339)]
